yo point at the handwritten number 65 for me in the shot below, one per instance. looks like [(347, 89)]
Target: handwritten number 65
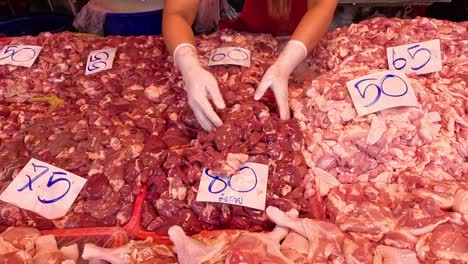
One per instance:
[(413, 52), (11, 53), (98, 61), (379, 88), (228, 183)]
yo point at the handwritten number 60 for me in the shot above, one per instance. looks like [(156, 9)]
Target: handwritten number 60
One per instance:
[(415, 49), (98, 61), (228, 183), (12, 53), (230, 54), (379, 88)]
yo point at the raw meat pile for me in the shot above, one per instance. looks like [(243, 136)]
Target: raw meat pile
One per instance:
[(249, 133), (94, 126), (398, 177), (390, 187)]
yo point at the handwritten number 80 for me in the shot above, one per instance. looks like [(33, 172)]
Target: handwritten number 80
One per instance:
[(228, 183), (220, 56), (413, 52), (379, 88)]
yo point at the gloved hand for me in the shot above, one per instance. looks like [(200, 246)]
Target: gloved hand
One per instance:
[(277, 76), (199, 84)]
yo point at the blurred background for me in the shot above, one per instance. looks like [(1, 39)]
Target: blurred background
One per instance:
[(143, 17)]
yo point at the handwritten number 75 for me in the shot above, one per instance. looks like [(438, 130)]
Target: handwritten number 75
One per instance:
[(379, 88), (51, 182), (413, 51)]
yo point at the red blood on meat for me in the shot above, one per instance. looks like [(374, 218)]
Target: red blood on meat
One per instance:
[(184, 218), (104, 208), (96, 186), (226, 135), (148, 214), (175, 137)]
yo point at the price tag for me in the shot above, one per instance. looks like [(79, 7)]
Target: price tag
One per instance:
[(100, 60), (230, 55), (44, 189), (421, 58), (380, 91), (245, 188), (19, 55)]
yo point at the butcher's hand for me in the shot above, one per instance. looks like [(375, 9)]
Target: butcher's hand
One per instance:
[(199, 85), (277, 76)]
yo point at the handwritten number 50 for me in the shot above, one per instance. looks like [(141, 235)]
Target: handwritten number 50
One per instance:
[(12, 53), (413, 51), (379, 88), (228, 183)]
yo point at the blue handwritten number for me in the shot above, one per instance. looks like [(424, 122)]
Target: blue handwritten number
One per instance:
[(216, 179), (50, 183), (248, 190), (215, 58), (363, 93), (414, 55), (31, 181), (98, 60), (213, 181), (388, 76), (394, 61), (238, 50), (10, 50), (53, 181)]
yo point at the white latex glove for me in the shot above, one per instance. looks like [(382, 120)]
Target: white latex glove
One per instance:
[(199, 84), (277, 76)]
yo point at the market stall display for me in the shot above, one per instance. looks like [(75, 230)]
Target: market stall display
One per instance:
[(342, 187)]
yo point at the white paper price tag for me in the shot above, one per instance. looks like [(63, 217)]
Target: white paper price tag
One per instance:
[(380, 91), (245, 188), (421, 58), (19, 55), (230, 55), (100, 60), (44, 189)]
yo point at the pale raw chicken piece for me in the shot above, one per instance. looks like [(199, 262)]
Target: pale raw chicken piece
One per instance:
[(6, 247), (295, 247), (236, 160), (191, 251), (447, 242), (47, 251), (111, 255), (259, 248), (71, 252), (325, 239), (324, 181), (18, 257), (22, 238), (400, 239), (461, 202), (391, 255), (358, 250), (376, 130), (132, 252)]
